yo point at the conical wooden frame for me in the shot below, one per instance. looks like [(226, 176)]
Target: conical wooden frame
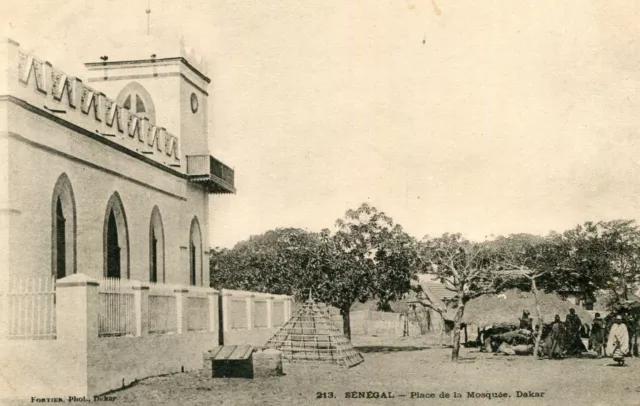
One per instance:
[(311, 336)]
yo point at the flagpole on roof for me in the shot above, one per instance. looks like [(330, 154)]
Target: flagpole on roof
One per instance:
[(148, 11)]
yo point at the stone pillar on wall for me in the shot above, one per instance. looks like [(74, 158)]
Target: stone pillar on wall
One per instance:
[(181, 311), (287, 308), (77, 309), (225, 309), (269, 311), (141, 303), (285, 311), (213, 310), (249, 300), (290, 307)]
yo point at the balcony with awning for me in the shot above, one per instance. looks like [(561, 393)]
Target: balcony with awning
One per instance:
[(208, 171)]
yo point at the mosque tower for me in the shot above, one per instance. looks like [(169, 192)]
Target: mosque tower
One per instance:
[(161, 80)]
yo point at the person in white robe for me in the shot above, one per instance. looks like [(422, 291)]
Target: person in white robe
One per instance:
[(618, 336)]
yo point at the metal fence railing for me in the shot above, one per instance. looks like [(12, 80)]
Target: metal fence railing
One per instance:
[(116, 311), (28, 308), (131, 308)]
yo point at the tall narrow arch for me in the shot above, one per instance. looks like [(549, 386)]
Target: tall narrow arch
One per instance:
[(156, 247), (195, 253), (63, 228), (116, 239), (135, 98)]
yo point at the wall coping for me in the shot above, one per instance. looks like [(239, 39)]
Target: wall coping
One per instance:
[(246, 293), (78, 279)]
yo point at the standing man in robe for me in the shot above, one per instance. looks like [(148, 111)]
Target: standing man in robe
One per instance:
[(597, 335), (618, 343), (557, 339), (574, 342)]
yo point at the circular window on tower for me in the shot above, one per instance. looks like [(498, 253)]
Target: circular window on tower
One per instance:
[(194, 102)]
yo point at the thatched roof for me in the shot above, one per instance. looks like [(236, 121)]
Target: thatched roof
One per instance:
[(439, 290), (507, 307), (421, 295)]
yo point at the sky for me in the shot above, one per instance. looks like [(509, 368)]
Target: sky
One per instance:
[(485, 118)]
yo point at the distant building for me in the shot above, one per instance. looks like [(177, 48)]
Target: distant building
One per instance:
[(439, 290)]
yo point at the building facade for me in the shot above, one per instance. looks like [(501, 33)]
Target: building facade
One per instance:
[(104, 193), (112, 177)]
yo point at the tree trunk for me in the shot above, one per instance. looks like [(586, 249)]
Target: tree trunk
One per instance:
[(466, 337), (346, 323), (456, 330), (536, 347)]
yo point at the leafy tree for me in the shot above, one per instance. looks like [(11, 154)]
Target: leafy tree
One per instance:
[(397, 261), (337, 277), (583, 260), (469, 268), (602, 255), (270, 262), (621, 242), (374, 259), (367, 257), (528, 258)]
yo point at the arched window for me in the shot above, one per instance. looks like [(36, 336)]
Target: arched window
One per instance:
[(156, 247), (116, 239), (135, 98), (63, 228), (195, 253)]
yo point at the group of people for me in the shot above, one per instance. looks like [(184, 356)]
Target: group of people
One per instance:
[(564, 337)]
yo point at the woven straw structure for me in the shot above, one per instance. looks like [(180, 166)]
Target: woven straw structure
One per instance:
[(507, 307), (310, 336)]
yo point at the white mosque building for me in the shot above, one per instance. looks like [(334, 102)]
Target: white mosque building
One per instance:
[(104, 205), (111, 176)]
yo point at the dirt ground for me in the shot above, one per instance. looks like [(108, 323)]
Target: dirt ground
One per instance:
[(399, 367)]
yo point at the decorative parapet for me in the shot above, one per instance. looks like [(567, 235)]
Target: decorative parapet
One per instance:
[(66, 98)]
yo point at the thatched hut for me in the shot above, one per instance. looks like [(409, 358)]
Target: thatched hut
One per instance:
[(507, 307), (424, 309)]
